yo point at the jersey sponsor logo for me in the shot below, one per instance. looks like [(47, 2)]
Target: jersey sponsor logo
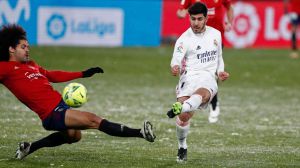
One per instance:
[(33, 76), (207, 56)]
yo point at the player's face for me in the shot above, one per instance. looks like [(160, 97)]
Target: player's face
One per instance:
[(198, 23), (21, 52)]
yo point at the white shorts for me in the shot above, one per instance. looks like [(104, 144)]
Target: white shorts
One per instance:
[(188, 84)]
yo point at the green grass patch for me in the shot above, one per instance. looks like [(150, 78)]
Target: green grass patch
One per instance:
[(258, 127)]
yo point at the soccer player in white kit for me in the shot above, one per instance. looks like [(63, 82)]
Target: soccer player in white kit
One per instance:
[(198, 60)]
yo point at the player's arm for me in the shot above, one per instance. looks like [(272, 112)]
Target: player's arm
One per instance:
[(229, 12), (222, 75), (178, 54), (182, 10), (286, 6), (64, 76)]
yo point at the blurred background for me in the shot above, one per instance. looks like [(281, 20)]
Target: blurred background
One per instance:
[(257, 23)]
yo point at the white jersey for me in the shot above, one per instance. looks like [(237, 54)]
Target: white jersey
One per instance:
[(195, 53)]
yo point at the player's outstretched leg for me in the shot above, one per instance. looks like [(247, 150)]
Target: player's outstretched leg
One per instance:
[(52, 140), (87, 120), (119, 130)]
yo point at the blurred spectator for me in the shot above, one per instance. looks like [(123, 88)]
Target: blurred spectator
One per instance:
[(292, 7)]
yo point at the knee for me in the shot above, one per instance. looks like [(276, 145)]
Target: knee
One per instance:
[(94, 120), (184, 118), (206, 96), (76, 137)]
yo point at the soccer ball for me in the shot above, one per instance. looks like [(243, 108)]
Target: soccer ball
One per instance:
[(74, 94)]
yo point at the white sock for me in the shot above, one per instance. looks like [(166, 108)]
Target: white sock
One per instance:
[(192, 103), (182, 133)]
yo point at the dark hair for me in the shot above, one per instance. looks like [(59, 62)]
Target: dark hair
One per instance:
[(10, 36), (198, 8)]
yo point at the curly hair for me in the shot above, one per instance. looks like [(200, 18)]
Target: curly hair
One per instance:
[(10, 36)]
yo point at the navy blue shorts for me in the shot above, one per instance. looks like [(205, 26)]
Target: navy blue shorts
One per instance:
[(56, 120)]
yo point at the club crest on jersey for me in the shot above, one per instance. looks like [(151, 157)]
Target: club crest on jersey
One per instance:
[(215, 42)]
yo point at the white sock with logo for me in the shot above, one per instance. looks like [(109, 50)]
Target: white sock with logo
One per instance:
[(182, 132), (192, 103)]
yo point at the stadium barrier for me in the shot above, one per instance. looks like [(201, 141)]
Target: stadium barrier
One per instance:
[(138, 22), (86, 22), (258, 24)]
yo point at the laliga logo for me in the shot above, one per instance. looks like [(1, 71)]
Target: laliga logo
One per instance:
[(56, 26), (10, 15), (246, 26)]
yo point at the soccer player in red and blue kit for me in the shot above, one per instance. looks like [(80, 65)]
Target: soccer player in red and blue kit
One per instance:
[(30, 83)]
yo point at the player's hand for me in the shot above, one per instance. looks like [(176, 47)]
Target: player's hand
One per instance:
[(175, 70), (223, 76), (90, 72), (181, 13)]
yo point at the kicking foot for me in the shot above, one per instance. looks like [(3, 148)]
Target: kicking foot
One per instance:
[(182, 155), (22, 150), (147, 131), (176, 110)]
